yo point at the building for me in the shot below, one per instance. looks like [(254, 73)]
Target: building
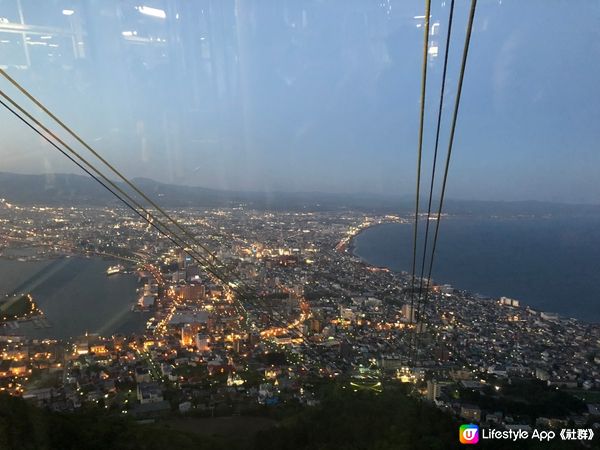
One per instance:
[(409, 313), (81, 346), (434, 390), (142, 375), (98, 349), (181, 259), (315, 325), (202, 343), (192, 271), (146, 301), (472, 413), (149, 393), (188, 335), (347, 313), (193, 292), (549, 316), (151, 289), (509, 302), (183, 317)]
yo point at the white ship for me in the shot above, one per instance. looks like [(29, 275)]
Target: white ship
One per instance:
[(114, 269)]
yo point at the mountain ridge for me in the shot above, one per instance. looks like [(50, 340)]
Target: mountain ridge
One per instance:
[(73, 189)]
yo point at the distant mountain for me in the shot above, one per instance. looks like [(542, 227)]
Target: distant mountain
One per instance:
[(70, 189), (52, 189)]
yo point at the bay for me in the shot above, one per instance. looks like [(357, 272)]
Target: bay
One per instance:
[(551, 264), (75, 295)]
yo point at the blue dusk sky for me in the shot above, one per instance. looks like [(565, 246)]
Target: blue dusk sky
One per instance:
[(315, 95)]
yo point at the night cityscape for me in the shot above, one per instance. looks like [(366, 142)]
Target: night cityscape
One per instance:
[(321, 313), (312, 224)]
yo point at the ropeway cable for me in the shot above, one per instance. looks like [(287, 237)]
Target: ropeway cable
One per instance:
[(420, 151), (451, 141)]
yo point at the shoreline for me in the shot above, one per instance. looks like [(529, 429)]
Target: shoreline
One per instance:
[(350, 248), (347, 242), (52, 306)]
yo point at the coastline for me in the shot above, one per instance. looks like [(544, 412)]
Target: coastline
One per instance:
[(347, 242), (351, 249), (73, 296)]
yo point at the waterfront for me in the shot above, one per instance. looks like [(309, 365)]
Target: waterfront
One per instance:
[(75, 295), (550, 264), (321, 313)]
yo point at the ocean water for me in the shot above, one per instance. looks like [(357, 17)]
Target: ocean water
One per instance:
[(550, 264), (75, 295)]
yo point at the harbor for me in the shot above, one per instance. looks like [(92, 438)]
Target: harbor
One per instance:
[(76, 295)]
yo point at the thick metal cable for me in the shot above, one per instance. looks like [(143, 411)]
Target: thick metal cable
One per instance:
[(451, 140), (146, 217), (206, 264), (435, 154), (420, 151), (106, 163), (149, 218)]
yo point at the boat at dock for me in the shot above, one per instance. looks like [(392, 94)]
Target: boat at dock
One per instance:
[(112, 270)]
